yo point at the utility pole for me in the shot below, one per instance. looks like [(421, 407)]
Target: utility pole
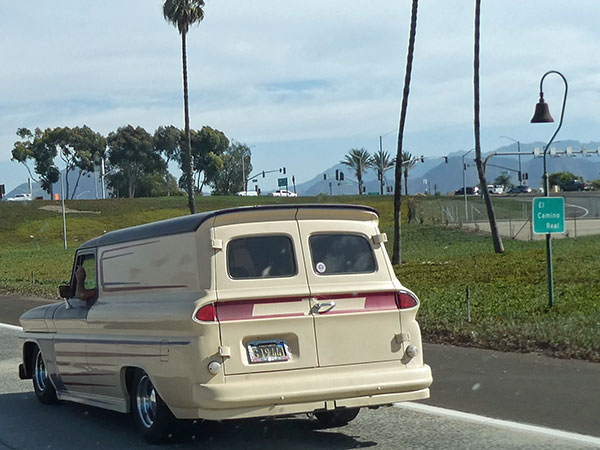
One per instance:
[(102, 175)]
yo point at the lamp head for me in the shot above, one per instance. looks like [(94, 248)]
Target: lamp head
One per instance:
[(542, 112)]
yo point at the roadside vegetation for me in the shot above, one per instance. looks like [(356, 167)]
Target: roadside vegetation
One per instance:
[(508, 292)]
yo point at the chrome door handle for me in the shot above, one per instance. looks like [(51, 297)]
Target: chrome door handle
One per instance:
[(322, 305)]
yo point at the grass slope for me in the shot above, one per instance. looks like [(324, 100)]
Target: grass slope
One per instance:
[(508, 291)]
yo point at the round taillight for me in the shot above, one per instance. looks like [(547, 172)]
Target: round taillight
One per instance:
[(404, 300), (207, 313)]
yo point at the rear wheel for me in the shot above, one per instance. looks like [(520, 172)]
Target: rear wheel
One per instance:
[(151, 415), (336, 418), (44, 390)]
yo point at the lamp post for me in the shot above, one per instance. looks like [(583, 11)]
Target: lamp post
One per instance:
[(519, 152), (465, 181), (542, 115)]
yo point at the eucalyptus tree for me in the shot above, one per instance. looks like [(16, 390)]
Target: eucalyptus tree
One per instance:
[(183, 14), (381, 161), (77, 147), (132, 155), (496, 239), (88, 147), (208, 147), (33, 147), (167, 142), (408, 162), (397, 247), (359, 160), (229, 180)]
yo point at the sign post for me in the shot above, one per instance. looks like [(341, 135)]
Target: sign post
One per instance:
[(548, 217)]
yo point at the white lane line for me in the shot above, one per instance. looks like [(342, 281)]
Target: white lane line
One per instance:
[(427, 409), (568, 205), (10, 327)]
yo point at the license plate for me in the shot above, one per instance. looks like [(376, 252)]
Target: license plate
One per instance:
[(268, 351)]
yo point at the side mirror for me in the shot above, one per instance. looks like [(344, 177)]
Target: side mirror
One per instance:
[(65, 291)]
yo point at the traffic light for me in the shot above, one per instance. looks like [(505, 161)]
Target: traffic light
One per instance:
[(284, 170), (379, 174), (445, 159), (341, 176), (337, 174), (263, 174), (324, 176), (526, 176)]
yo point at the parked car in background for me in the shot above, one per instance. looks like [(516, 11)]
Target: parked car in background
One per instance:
[(577, 185), (470, 191), (247, 193), (284, 193), (520, 190), (20, 198), (238, 313)]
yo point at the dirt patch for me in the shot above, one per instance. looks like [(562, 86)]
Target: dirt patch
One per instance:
[(58, 209)]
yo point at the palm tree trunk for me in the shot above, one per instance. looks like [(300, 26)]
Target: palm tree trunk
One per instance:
[(187, 154), (497, 240), (406, 180), (397, 248)]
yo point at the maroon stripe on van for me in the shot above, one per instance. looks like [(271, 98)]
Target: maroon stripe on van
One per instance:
[(374, 301), (243, 309)]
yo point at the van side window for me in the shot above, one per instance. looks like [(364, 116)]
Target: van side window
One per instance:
[(89, 265), (261, 257), (341, 253)]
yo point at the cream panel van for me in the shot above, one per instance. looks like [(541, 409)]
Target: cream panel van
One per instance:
[(238, 313)]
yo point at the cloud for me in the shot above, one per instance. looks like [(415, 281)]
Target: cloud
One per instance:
[(272, 71)]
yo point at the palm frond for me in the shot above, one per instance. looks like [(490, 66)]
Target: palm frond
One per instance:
[(183, 13)]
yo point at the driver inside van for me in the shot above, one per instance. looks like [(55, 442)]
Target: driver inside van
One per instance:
[(80, 291)]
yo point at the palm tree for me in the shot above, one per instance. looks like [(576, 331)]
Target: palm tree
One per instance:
[(183, 14), (397, 248), (382, 162), (408, 162), (497, 240), (359, 159)]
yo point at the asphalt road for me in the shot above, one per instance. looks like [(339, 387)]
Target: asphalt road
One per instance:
[(560, 395)]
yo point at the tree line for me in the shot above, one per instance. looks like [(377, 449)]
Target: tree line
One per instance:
[(360, 160), (135, 161)]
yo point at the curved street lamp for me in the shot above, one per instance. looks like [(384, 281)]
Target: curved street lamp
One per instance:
[(542, 115)]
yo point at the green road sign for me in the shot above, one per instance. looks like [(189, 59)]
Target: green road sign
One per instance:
[(282, 182), (548, 215)]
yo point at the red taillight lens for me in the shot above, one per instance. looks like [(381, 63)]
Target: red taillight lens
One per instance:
[(404, 300), (207, 313)]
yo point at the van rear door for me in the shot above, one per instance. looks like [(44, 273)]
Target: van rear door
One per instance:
[(263, 304), (353, 298)]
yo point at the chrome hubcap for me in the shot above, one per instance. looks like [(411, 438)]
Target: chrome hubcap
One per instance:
[(145, 400), (39, 375)]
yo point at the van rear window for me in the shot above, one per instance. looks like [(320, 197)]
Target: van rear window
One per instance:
[(261, 257), (341, 253)]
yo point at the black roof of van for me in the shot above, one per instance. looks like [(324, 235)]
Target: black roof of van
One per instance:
[(188, 224)]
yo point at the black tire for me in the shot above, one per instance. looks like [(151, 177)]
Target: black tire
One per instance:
[(42, 386), (151, 415), (336, 418)]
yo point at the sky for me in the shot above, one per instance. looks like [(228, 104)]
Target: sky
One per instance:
[(301, 83)]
